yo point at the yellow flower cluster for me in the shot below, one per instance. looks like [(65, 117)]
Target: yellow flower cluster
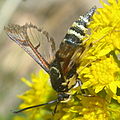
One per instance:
[(103, 70), (99, 72), (84, 108), (40, 92)]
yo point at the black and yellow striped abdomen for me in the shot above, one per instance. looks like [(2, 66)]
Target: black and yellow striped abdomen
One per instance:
[(74, 36), (78, 29)]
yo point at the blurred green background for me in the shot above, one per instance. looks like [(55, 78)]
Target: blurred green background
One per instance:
[(55, 16)]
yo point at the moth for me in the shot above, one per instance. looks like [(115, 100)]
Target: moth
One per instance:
[(62, 69)]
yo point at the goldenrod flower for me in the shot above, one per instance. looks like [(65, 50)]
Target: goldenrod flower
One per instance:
[(40, 92), (85, 108), (99, 72), (102, 72)]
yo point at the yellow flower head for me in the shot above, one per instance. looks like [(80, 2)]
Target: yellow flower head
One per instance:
[(85, 108), (100, 68), (40, 92), (106, 24)]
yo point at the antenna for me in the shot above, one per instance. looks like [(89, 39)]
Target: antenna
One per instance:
[(21, 110)]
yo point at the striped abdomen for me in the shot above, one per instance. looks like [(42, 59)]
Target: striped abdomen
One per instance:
[(74, 36)]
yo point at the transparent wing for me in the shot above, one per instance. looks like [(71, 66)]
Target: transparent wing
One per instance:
[(34, 41)]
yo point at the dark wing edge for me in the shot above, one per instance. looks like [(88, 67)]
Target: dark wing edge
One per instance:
[(19, 35)]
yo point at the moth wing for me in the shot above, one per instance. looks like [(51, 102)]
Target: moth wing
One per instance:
[(34, 41)]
